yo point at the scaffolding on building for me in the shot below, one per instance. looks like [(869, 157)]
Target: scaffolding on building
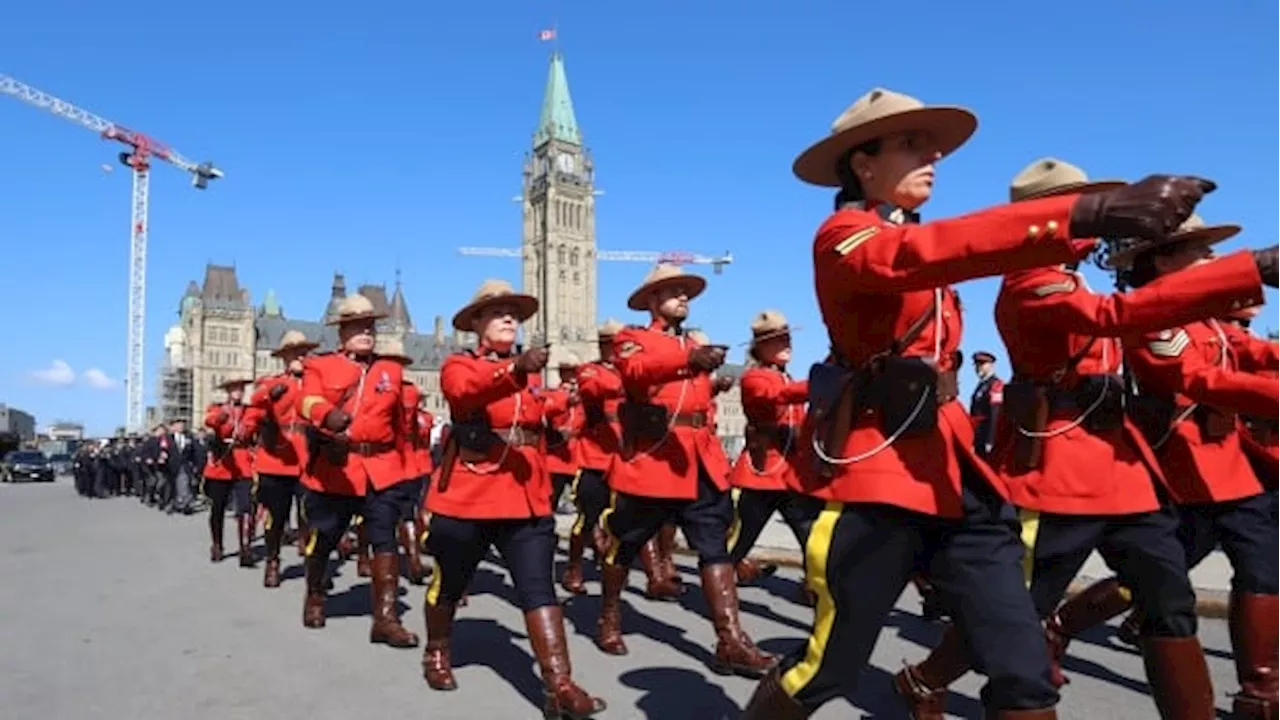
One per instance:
[(176, 395)]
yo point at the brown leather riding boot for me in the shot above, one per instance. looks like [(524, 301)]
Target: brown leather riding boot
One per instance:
[(1130, 631), (412, 553), (217, 522), (667, 556), (315, 568), (304, 537), (1253, 623), (437, 668), (599, 544), (923, 687), (771, 702), (386, 628), (1179, 678), (272, 538), (658, 586), (571, 580), (363, 568), (244, 524), (749, 571), (564, 698), (1094, 605), (735, 653), (609, 626)]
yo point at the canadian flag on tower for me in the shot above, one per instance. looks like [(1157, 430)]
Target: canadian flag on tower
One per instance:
[(546, 35)]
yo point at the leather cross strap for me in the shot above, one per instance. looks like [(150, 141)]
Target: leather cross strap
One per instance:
[(519, 436), (693, 420)]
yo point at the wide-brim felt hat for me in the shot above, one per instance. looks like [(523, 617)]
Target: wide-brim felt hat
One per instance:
[(235, 382), (665, 275), (294, 341), (494, 292), (878, 114), (769, 324), (354, 308), (1049, 177), (609, 328), (392, 349), (570, 361), (1194, 230)]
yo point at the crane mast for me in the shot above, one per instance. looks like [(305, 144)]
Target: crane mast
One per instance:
[(141, 149)]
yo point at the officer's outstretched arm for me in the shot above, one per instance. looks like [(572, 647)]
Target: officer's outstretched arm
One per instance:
[(1166, 362)]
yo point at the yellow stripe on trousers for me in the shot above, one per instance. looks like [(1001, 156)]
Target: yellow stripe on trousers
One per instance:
[(1030, 521), (604, 523), (736, 528), (817, 552), (573, 498), (437, 583)]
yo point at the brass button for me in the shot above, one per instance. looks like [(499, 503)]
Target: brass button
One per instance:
[(1051, 227), (1033, 232)]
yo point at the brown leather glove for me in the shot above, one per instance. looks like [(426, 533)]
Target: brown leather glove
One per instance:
[(1151, 208), (723, 384), (335, 421), (532, 360), (706, 358), (1268, 262), (277, 392)]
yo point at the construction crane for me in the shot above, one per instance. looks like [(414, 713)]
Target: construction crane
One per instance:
[(675, 257), (141, 149)]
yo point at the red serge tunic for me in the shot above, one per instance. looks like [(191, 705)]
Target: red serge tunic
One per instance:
[(227, 422), (565, 419), (1197, 365), (770, 399), (1047, 317), (600, 387), (874, 279), (371, 395), (288, 455), (654, 365), (510, 481)]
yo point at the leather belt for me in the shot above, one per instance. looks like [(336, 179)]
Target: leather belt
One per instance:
[(948, 386), (296, 427), (370, 448), (693, 420), (519, 436)]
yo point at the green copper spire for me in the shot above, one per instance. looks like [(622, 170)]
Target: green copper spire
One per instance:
[(557, 121), (270, 305)]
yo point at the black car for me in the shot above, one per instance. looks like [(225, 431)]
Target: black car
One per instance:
[(27, 465)]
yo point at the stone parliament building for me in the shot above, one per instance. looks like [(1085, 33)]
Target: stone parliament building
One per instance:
[(221, 333)]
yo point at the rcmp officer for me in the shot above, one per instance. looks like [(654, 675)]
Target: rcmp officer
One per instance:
[(1082, 476), (600, 392), (564, 423), (895, 462), (417, 461), (228, 474), (282, 447), (352, 400), (764, 474), (493, 490), (984, 406), (671, 468), (1193, 386), (1259, 434)]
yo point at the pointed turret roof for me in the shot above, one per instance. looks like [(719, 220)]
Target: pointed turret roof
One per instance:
[(336, 292), (557, 121), (399, 307), (270, 305)]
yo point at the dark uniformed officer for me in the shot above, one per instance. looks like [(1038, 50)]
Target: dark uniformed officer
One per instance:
[(493, 490), (985, 404), (353, 401), (282, 446), (1081, 475), (672, 468), (892, 448), (228, 474), (1194, 384)]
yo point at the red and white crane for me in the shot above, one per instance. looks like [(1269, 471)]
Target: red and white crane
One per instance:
[(141, 150)]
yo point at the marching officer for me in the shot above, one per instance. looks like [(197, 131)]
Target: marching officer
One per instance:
[(671, 467), (282, 447), (985, 404), (1259, 435), (228, 474), (1081, 475), (493, 490), (892, 449), (764, 474), (564, 423), (1193, 387), (600, 392), (417, 460), (353, 401)]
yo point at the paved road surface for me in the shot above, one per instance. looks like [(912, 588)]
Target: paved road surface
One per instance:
[(113, 611)]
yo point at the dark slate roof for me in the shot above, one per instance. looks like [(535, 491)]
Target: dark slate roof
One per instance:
[(377, 294), (222, 289), (400, 309), (427, 354)]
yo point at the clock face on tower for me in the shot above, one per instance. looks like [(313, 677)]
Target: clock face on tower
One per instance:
[(564, 163)]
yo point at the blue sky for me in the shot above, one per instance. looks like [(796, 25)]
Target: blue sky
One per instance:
[(359, 137)]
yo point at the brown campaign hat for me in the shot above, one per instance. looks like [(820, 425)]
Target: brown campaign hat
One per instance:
[(493, 292), (294, 341), (1050, 176), (570, 361), (353, 308), (665, 275), (610, 328), (769, 324), (878, 114), (234, 382), (1193, 230), (392, 349)]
